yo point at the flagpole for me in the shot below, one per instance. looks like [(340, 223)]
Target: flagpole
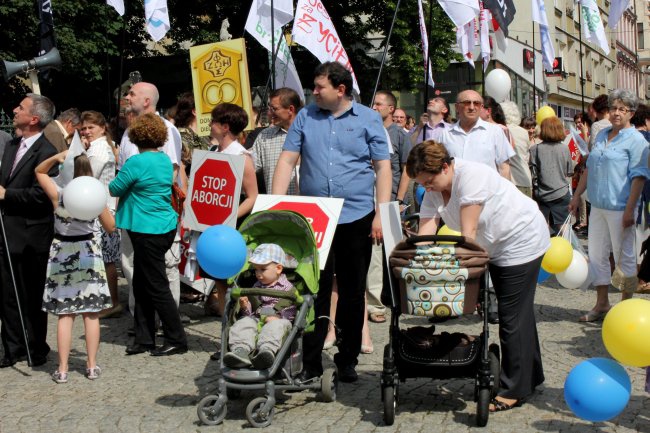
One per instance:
[(582, 79), (426, 61), (273, 52), (385, 54), (534, 73)]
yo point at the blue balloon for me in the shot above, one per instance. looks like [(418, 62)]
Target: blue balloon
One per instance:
[(543, 276), (597, 389), (221, 251), (419, 194)]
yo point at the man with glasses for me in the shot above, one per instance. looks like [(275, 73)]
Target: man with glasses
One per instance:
[(474, 139), (284, 104)]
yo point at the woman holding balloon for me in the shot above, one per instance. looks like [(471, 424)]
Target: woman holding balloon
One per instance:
[(144, 186), (515, 237), (616, 170)]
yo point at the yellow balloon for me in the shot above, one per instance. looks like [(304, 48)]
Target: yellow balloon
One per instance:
[(626, 332), (558, 256), (446, 231), (544, 113)]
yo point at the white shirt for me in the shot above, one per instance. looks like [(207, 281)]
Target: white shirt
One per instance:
[(510, 227), (172, 146), (485, 143), (102, 162)]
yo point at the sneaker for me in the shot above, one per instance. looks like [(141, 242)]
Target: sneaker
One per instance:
[(60, 377), (238, 358), (93, 373), (263, 360)]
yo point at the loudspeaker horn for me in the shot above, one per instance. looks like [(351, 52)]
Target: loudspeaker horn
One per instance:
[(49, 60)]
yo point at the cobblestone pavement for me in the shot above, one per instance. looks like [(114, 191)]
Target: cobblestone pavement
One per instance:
[(147, 394)]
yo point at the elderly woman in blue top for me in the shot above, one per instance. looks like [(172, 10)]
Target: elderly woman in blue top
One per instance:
[(144, 186), (616, 171)]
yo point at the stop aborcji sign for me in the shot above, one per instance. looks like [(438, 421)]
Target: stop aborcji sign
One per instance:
[(214, 189)]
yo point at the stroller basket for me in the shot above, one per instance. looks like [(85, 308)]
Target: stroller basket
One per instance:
[(438, 279)]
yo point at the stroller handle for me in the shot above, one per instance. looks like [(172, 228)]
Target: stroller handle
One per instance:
[(282, 294), (435, 238)]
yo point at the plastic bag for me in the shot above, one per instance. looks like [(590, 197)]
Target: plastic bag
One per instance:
[(567, 232)]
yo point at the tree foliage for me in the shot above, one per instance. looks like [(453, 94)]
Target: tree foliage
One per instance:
[(94, 41)]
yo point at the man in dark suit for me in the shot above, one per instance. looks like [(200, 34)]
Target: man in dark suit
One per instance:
[(29, 224)]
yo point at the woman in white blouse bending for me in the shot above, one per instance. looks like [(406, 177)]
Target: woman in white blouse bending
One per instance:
[(473, 199)]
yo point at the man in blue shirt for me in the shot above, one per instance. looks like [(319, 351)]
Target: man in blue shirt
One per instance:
[(343, 150)]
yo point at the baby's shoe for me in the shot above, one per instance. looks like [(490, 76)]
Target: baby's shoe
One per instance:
[(93, 373), (264, 359), (238, 358), (60, 376)]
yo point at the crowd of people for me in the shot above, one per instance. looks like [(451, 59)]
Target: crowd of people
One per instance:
[(334, 147)]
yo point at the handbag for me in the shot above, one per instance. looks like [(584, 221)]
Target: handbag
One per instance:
[(178, 199), (624, 283)]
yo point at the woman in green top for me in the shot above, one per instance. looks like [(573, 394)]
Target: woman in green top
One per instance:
[(144, 186)]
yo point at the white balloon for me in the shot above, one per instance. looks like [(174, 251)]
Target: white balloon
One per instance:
[(497, 84), (576, 274), (84, 197)]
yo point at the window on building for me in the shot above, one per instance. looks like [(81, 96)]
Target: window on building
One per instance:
[(639, 36)]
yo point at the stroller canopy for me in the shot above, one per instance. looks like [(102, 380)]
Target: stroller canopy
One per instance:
[(293, 233)]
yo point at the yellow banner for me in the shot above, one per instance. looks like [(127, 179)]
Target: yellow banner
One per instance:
[(219, 74)]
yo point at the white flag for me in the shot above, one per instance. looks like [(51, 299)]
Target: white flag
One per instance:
[(539, 16), (157, 17), (501, 39), (484, 30), (592, 25), (425, 44), (313, 29), (258, 24), (66, 173), (460, 11), (466, 41), (616, 12), (118, 5)]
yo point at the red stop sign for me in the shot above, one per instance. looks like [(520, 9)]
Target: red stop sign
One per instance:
[(312, 212), (213, 192)]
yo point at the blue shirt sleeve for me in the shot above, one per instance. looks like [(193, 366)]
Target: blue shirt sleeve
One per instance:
[(293, 141), (376, 138), (638, 152)]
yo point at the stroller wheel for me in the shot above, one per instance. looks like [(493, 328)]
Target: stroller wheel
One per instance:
[(257, 415), (483, 406), (390, 404), (210, 411), (329, 385)]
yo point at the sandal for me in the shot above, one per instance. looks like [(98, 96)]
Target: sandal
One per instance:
[(593, 316), (500, 406), (377, 317), (643, 288)]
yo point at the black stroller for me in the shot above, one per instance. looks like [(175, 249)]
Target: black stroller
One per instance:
[(438, 276), (294, 234)]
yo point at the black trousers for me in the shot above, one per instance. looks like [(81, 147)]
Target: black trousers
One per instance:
[(151, 290), (30, 272), (521, 360), (349, 259)]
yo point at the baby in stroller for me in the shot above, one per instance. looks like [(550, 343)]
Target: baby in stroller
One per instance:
[(273, 315)]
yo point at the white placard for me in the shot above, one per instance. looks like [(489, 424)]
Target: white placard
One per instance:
[(322, 212)]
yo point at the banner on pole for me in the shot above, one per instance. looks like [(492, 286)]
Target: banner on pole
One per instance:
[(313, 29), (219, 74), (425, 45)]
